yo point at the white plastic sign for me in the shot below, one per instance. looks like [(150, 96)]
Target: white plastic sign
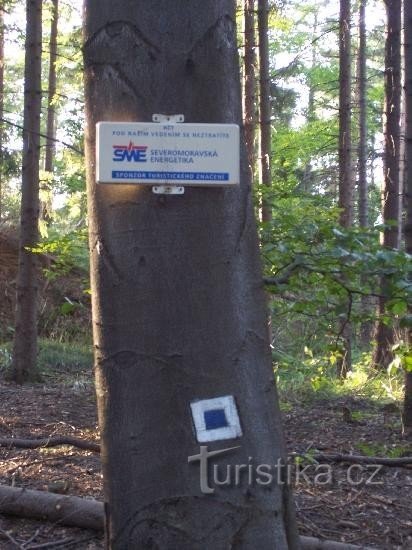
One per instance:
[(149, 153), (216, 419)]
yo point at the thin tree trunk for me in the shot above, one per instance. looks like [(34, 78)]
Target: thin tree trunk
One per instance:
[(51, 111), (402, 161), (345, 142), (384, 335), (264, 107), (1, 104), (407, 10), (265, 126), (310, 113), (25, 336), (363, 129), (366, 328), (346, 173), (393, 92), (178, 306), (249, 88)]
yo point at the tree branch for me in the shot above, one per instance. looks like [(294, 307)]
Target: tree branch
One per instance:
[(49, 442), (358, 459), (68, 145)]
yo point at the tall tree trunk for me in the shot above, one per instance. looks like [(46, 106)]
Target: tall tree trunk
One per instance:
[(249, 87), (407, 10), (25, 336), (1, 104), (51, 111), (346, 174), (390, 193), (265, 124), (345, 142), (264, 108), (366, 302), (363, 129), (178, 303), (310, 113)]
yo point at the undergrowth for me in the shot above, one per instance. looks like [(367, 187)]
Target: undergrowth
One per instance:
[(55, 358), (315, 378)]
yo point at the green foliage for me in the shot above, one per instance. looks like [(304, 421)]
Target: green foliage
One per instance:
[(314, 378), (312, 146), (68, 251), (387, 450), (54, 356), (319, 271)]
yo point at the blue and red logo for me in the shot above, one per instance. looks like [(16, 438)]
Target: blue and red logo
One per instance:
[(130, 153)]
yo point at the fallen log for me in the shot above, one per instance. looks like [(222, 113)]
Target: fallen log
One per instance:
[(356, 459), (89, 514), (54, 441), (57, 440), (67, 510), (312, 543)]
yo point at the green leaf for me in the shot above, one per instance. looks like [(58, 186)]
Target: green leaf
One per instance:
[(398, 307), (407, 361), (67, 308)]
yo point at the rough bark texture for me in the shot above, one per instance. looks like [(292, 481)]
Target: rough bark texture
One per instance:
[(363, 130), (363, 201), (1, 103), (264, 105), (393, 92), (346, 173), (178, 300), (51, 111), (307, 179), (407, 6), (25, 336), (384, 335), (345, 142), (249, 88)]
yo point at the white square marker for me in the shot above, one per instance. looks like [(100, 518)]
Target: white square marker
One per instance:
[(216, 419)]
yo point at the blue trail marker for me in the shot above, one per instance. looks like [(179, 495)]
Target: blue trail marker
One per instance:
[(216, 419)]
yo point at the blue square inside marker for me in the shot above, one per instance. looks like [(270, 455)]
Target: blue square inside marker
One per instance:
[(215, 418)]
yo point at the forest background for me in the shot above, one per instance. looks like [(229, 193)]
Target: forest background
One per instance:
[(338, 291)]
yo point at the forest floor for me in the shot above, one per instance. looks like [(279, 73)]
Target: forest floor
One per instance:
[(333, 502)]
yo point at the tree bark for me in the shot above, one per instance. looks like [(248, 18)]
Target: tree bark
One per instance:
[(25, 336), (264, 107), (310, 113), (265, 126), (178, 300), (407, 10), (363, 129), (51, 110), (345, 141), (384, 335), (346, 173), (367, 305), (249, 87), (393, 93), (1, 104)]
